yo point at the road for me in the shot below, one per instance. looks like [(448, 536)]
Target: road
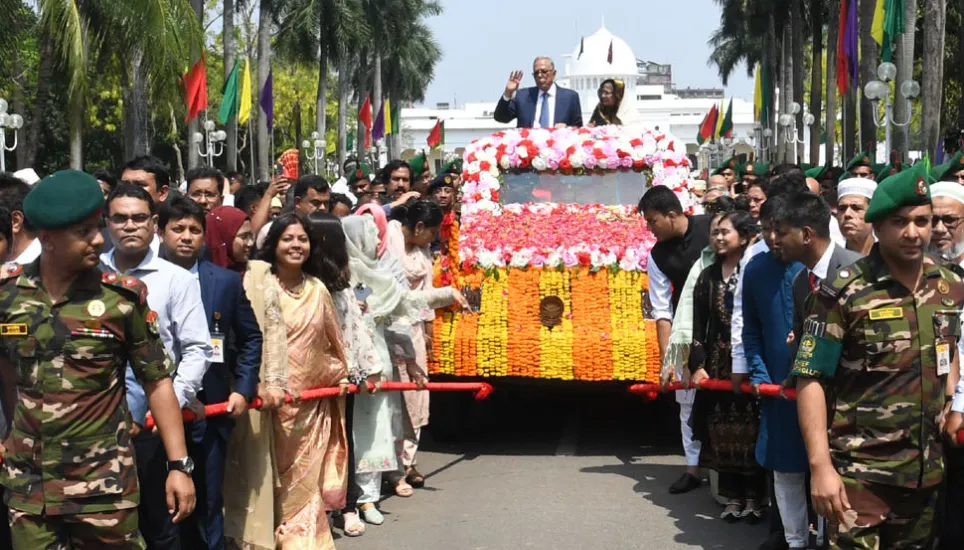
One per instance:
[(559, 470)]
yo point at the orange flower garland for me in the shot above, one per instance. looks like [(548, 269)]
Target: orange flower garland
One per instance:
[(555, 346), (524, 323), (493, 322), (592, 344)]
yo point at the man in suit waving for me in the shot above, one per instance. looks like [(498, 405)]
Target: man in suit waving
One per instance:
[(233, 374), (544, 106)]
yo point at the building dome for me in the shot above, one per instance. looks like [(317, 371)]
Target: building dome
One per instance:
[(593, 61)]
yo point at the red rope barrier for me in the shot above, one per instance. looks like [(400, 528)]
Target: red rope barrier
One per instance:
[(766, 390), (482, 390)]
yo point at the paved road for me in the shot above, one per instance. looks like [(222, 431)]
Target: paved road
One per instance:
[(562, 471)]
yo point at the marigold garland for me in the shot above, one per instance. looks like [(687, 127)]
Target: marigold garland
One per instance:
[(626, 316), (592, 346), (493, 335), (555, 345), (524, 323)]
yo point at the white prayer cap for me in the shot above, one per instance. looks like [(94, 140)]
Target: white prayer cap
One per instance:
[(950, 189), (27, 175), (698, 184), (856, 186)]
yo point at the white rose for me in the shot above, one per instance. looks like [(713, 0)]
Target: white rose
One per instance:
[(554, 259), (603, 163), (504, 163), (523, 152), (539, 164), (473, 167), (577, 158), (649, 147), (494, 170), (489, 151), (487, 258), (638, 154), (663, 144), (521, 258), (486, 194)]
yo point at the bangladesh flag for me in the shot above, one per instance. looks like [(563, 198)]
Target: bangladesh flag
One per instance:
[(437, 137), (708, 126), (726, 126)]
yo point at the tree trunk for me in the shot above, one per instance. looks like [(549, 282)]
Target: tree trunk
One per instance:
[(830, 124), (960, 55), (264, 68), (231, 148), (869, 58), (796, 56), (377, 96), (932, 74), (905, 71), (816, 78), (194, 126), (76, 130), (786, 92), (774, 65), (136, 138), (849, 126), (32, 143), (344, 97), (322, 100), (363, 92), (296, 115)]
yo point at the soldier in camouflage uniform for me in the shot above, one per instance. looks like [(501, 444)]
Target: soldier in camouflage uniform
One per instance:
[(67, 330), (878, 356)]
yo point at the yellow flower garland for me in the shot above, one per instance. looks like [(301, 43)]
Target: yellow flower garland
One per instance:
[(555, 346), (493, 332)]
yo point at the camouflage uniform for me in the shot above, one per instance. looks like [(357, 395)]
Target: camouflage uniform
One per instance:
[(69, 469), (876, 348)]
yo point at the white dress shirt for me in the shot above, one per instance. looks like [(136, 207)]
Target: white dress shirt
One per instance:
[(552, 106), (835, 234), (29, 254), (660, 291), (823, 265), (736, 321), (175, 296)]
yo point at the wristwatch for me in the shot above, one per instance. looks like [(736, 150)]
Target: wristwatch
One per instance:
[(185, 465)]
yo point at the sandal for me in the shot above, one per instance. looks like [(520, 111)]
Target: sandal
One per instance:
[(753, 513), (733, 511), (371, 514), (403, 489), (414, 478), (353, 526)]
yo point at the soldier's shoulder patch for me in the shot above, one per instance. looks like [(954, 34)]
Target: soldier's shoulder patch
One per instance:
[(129, 286), (10, 270), (955, 269), (843, 278)]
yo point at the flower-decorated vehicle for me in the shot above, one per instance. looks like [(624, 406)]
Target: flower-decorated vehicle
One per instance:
[(551, 253)]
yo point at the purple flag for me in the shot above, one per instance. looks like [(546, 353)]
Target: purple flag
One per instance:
[(851, 49), (378, 129), (267, 101)]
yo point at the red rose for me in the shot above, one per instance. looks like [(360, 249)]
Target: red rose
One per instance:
[(484, 166), (587, 143), (636, 142), (598, 153), (533, 150), (495, 196), (466, 266), (524, 133), (470, 158), (550, 142), (564, 164), (623, 154), (584, 258), (671, 147)]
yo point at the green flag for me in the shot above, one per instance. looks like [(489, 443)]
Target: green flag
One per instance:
[(396, 129), (350, 141), (726, 126), (229, 104)]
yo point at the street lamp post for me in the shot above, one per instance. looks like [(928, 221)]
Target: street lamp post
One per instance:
[(879, 90), (789, 123), (315, 151), (12, 121), (211, 139)]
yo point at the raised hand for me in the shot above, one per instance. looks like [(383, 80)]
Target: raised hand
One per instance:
[(515, 79)]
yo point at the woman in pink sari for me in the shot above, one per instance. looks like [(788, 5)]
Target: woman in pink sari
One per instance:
[(311, 446)]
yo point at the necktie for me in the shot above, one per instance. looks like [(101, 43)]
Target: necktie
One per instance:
[(813, 281), (544, 115)]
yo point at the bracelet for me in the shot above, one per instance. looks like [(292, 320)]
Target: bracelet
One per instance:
[(948, 399)]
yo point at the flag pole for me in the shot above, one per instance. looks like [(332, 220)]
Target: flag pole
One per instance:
[(251, 138)]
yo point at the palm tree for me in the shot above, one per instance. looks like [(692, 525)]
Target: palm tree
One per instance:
[(796, 63), (162, 32), (265, 24), (816, 76), (868, 71), (932, 74), (830, 122)]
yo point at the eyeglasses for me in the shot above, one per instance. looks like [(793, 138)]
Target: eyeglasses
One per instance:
[(949, 222), (121, 219), (204, 195), (541, 72)]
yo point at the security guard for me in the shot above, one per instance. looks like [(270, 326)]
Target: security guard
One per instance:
[(860, 166), (67, 330), (878, 347)]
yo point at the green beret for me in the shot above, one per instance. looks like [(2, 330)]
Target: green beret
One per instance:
[(947, 171), (758, 169), (816, 172), (728, 164), (442, 180), (907, 188), (862, 158), (63, 199), (419, 164), (452, 167), (363, 172), (884, 171)]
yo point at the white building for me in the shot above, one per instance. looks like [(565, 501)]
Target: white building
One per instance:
[(660, 104)]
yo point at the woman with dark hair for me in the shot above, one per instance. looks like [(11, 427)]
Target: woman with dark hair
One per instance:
[(725, 423), (310, 443), (229, 238), (412, 229), (613, 107)]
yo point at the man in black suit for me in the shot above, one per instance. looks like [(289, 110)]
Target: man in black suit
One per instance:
[(544, 106)]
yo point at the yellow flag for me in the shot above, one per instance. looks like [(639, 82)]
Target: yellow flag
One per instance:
[(877, 29), (757, 95), (719, 122), (388, 117), (245, 109)]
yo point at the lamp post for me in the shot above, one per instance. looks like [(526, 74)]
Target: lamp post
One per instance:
[(879, 90), (789, 123), (211, 139), (316, 146), (759, 141), (12, 121)]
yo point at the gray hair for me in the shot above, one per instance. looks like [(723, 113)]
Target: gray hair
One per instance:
[(540, 58)]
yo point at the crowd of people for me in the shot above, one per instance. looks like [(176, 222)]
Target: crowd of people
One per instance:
[(848, 291), (209, 292)]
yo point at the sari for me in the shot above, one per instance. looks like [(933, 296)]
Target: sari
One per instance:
[(311, 446)]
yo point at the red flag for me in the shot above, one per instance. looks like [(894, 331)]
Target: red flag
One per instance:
[(196, 89), (610, 57), (841, 54), (437, 136), (365, 116), (708, 126)]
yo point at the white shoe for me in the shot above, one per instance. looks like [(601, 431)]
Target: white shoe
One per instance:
[(372, 515)]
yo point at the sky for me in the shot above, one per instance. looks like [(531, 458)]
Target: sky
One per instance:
[(484, 40)]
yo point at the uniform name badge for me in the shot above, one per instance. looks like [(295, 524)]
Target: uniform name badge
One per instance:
[(217, 342), (943, 358)]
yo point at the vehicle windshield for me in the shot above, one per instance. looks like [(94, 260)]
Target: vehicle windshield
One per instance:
[(610, 188)]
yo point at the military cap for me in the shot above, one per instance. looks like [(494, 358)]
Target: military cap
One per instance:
[(862, 158), (884, 171), (947, 171), (756, 168), (62, 199), (815, 172), (418, 164), (907, 188), (362, 172), (441, 180), (452, 167), (728, 164)]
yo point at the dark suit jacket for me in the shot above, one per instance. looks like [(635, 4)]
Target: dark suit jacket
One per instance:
[(222, 292), (522, 108), (839, 259)]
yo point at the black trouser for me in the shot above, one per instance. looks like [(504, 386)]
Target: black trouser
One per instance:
[(154, 521), (4, 524), (351, 499), (951, 527)]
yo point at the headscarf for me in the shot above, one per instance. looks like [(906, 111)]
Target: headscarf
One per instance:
[(221, 226), (610, 115), (363, 244), (381, 222)]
